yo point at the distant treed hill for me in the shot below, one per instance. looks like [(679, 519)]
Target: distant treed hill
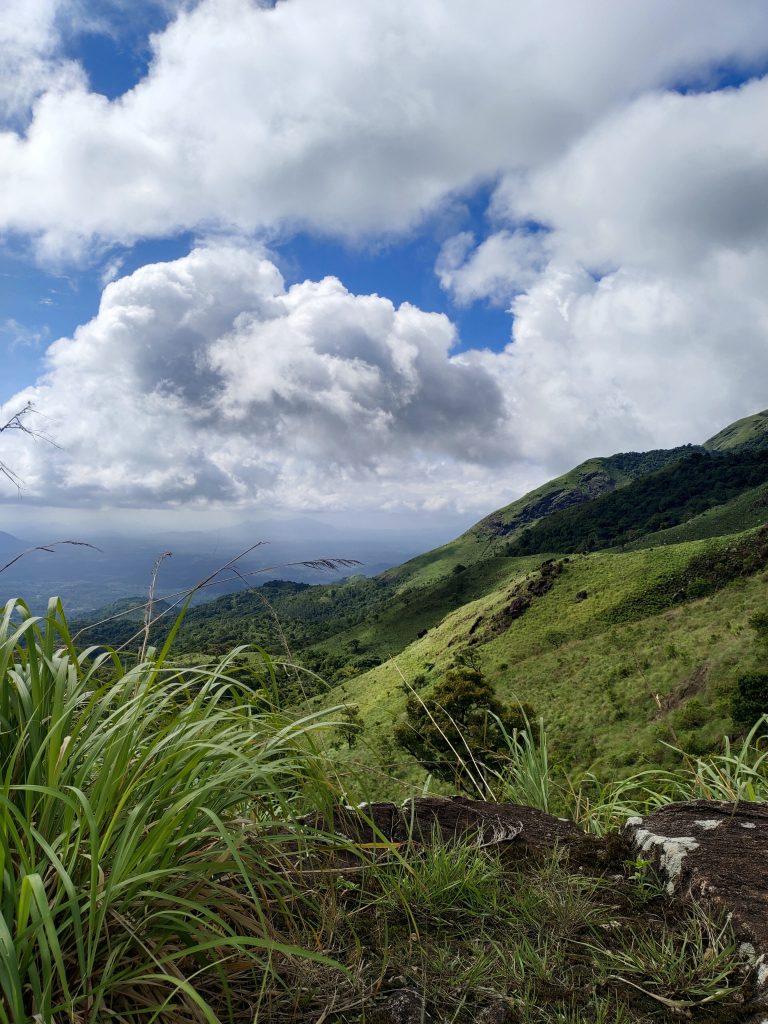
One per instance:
[(306, 614), (655, 502)]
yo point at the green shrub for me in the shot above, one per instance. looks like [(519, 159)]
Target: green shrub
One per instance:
[(750, 700), (699, 588), (351, 726), (462, 730), (759, 622)]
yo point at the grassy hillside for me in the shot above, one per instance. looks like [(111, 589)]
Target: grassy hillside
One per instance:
[(612, 670), (583, 483), (175, 851), (749, 429)]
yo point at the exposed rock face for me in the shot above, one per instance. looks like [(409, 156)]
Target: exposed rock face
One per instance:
[(590, 485), (717, 853), (520, 600), (421, 818)]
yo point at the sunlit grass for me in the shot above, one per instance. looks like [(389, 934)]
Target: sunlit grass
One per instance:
[(153, 868), (140, 815)]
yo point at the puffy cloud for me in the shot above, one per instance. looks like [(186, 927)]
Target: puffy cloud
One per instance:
[(637, 359), (205, 380), (29, 64), (505, 263), (639, 312), (665, 183), (347, 115), (643, 319)]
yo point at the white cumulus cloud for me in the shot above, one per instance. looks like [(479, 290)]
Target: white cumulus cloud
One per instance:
[(205, 381), (349, 116), (504, 264)]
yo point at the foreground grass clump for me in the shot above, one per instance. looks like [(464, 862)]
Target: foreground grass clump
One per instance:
[(140, 816), (473, 932), (154, 868)]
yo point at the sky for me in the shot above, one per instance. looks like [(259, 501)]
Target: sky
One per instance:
[(356, 258)]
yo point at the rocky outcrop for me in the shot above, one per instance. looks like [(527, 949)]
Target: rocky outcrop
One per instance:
[(520, 599), (450, 818), (711, 852), (403, 1006), (716, 853)]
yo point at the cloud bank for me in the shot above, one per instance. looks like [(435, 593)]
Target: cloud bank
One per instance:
[(627, 235), (206, 381), (348, 116)]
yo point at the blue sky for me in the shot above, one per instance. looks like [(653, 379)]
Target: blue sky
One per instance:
[(47, 304), (581, 197)]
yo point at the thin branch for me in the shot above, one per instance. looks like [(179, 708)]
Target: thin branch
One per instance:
[(217, 578), (151, 600), (49, 548), (17, 422)]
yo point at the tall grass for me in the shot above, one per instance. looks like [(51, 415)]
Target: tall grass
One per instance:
[(150, 871), (737, 773), (528, 776), (142, 815)]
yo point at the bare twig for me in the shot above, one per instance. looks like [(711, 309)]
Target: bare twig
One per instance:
[(151, 600), (17, 422), (49, 548), (227, 573)]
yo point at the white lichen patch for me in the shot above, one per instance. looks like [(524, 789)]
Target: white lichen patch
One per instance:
[(748, 824), (708, 825), (673, 850), (748, 953)]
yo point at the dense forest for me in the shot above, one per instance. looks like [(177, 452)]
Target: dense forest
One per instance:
[(660, 500)]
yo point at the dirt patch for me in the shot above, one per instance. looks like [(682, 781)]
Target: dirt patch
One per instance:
[(520, 600), (690, 687)]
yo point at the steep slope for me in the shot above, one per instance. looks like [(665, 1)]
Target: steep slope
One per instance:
[(583, 483), (744, 512), (749, 429), (344, 628), (11, 546), (657, 501), (623, 651)]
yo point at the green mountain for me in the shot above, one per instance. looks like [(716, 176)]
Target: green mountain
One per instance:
[(658, 501), (589, 480), (639, 641), (750, 429)]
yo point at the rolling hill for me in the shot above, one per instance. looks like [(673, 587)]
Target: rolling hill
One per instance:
[(639, 641)]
